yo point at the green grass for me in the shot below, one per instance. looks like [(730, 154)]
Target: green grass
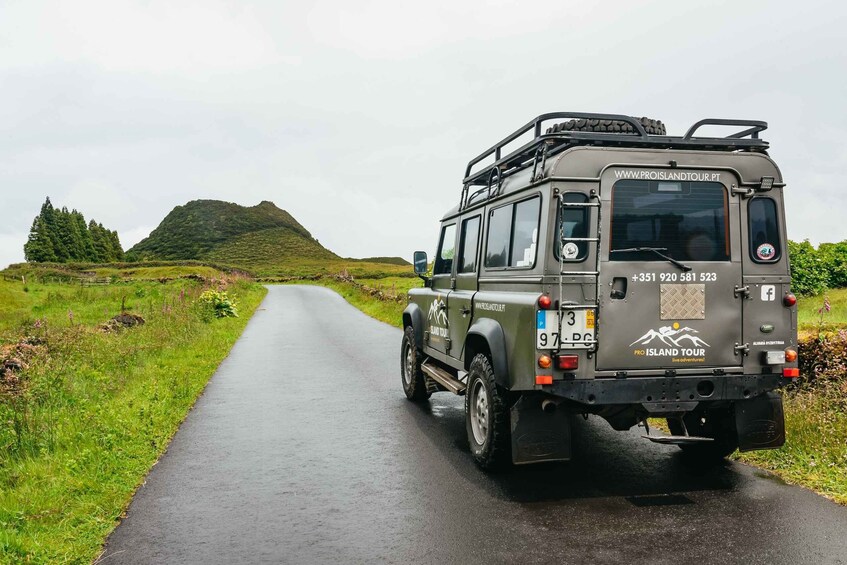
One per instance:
[(812, 322), (815, 450), (95, 410)]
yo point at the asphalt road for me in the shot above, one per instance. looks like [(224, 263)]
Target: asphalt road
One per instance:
[(303, 449)]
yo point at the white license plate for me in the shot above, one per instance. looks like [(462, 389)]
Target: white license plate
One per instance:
[(577, 329)]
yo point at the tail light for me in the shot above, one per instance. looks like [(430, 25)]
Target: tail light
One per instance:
[(544, 302), (543, 379), (567, 362), (789, 299), (545, 362), (790, 356), (791, 372)]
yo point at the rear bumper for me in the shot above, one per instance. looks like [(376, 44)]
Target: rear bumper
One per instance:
[(666, 394)]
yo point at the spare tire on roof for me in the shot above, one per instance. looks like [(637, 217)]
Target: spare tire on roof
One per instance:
[(652, 127)]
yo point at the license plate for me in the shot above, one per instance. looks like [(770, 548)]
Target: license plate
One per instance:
[(577, 329)]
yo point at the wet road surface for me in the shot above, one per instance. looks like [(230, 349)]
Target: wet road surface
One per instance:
[(303, 449)]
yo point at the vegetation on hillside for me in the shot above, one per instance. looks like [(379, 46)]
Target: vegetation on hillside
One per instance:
[(92, 396), (60, 236), (195, 230), (269, 248)]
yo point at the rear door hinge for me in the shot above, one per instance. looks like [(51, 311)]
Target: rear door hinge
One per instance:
[(742, 192), (742, 290), (742, 348)]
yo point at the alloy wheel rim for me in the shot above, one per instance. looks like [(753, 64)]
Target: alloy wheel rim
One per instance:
[(479, 412), (407, 372)]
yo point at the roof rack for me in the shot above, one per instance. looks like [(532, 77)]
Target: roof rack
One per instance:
[(544, 145)]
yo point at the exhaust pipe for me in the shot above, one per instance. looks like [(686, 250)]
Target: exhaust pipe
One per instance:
[(549, 406)]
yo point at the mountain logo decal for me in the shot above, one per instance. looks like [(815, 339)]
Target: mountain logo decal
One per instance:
[(437, 313), (672, 336)]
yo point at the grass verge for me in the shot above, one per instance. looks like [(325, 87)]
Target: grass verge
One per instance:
[(85, 412)]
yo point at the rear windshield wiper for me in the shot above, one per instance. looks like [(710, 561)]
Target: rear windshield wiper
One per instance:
[(657, 251)]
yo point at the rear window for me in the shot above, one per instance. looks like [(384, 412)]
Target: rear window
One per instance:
[(764, 230), (687, 220)]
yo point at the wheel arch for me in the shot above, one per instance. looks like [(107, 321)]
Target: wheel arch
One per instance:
[(486, 336), (413, 316)]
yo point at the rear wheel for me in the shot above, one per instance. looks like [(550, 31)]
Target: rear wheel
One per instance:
[(414, 381), (718, 424), (487, 416)]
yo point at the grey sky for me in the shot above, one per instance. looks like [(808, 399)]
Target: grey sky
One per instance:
[(359, 117)]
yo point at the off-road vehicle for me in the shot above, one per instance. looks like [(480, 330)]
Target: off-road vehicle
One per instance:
[(603, 267)]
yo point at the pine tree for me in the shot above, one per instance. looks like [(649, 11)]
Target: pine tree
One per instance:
[(87, 243), (39, 247), (62, 236), (117, 250)]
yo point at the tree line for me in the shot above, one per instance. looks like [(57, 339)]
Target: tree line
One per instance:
[(60, 236)]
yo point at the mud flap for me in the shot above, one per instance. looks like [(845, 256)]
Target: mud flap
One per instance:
[(760, 422), (538, 435)]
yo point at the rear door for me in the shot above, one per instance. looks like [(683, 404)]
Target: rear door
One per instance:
[(654, 314)]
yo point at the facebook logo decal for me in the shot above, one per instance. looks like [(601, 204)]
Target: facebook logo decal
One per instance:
[(768, 293)]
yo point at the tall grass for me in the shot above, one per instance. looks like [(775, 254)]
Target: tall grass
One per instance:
[(92, 410)]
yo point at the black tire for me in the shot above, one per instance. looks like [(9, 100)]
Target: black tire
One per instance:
[(652, 127), (413, 379), (487, 416), (718, 424)]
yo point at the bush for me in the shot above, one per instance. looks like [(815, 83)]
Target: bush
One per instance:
[(809, 274), (218, 304)]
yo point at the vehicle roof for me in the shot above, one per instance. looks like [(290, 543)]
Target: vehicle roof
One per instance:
[(587, 163)]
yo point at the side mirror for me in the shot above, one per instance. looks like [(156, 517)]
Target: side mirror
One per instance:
[(420, 263)]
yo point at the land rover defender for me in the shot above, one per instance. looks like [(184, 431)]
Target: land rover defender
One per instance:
[(600, 266)]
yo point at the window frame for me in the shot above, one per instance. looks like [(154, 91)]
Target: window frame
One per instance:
[(462, 242), (586, 215), (779, 243), (513, 203), (437, 258)]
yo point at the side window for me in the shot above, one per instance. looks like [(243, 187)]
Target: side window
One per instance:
[(499, 230), (446, 251), (765, 245), (573, 222), (513, 234), (469, 246), (525, 233)]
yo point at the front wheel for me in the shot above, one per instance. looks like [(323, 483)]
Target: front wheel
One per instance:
[(487, 416), (414, 381)]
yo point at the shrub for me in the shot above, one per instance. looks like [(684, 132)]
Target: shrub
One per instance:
[(218, 304), (809, 275)]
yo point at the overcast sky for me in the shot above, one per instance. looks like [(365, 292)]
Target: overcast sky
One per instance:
[(359, 117)]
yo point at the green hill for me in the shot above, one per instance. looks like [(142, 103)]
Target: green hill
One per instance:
[(196, 229), (203, 229), (262, 239)]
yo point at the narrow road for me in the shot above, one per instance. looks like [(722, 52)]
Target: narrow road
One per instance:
[(303, 449)]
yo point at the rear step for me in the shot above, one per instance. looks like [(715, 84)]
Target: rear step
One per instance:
[(678, 440), (444, 378), (674, 440)]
